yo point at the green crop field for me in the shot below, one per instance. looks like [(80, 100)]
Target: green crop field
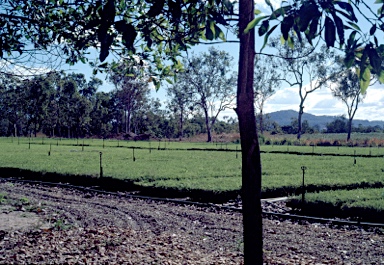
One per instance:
[(187, 167), (369, 203)]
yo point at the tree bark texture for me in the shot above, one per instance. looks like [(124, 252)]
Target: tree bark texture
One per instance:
[(301, 111), (251, 162), (208, 126), (349, 129), (181, 133)]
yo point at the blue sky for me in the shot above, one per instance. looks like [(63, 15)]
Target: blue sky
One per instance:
[(319, 102)]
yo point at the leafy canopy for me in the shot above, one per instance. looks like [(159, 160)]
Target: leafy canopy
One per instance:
[(336, 23), (154, 30)]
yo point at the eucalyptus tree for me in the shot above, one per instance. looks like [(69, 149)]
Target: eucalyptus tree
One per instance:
[(90, 89), (211, 83), (180, 102), (102, 115), (346, 88), (66, 96), (304, 68), (38, 93), (131, 89), (266, 80), (8, 105)]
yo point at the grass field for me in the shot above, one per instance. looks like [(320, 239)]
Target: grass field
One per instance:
[(187, 167)]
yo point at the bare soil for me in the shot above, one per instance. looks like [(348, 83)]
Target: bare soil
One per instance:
[(40, 225)]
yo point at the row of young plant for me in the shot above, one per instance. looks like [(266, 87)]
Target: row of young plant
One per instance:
[(168, 144), (359, 204), (192, 173), (155, 165)]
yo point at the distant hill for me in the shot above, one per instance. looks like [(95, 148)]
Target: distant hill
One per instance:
[(284, 117)]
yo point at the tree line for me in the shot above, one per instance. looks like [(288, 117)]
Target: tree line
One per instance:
[(68, 105)]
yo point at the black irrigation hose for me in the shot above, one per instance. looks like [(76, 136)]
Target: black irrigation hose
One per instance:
[(199, 204), (229, 150)]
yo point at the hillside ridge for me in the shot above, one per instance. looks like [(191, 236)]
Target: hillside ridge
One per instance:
[(284, 117)]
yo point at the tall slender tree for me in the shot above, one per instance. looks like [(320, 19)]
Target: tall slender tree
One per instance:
[(345, 87), (180, 102), (38, 94), (131, 91), (304, 68), (211, 82), (267, 79)]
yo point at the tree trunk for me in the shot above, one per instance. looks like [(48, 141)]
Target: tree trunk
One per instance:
[(251, 162), (126, 121), (301, 111), (128, 124), (261, 121), (181, 125), (349, 129), (207, 124)]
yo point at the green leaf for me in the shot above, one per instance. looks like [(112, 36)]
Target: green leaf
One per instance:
[(312, 30), (105, 44), (379, 2), (264, 27), (363, 61), (286, 25), (212, 26), (219, 33), (267, 36), (156, 8), (372, 30), (380, 11), (381, 77), (103, 65), (128, 32), (169, 81), (330, 32), (269, 3), (365, 80), (354, 26), (347, 7), (209, 34), (306, 14), (349, 59), (280, 12), (253, 23), (351, 39), (257, 12), (375, 60), (339, 28)]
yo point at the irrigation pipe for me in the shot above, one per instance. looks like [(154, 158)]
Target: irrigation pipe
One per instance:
[(228, 150), (202, 205)]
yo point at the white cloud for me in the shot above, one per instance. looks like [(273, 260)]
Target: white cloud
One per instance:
[(322, 102)]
